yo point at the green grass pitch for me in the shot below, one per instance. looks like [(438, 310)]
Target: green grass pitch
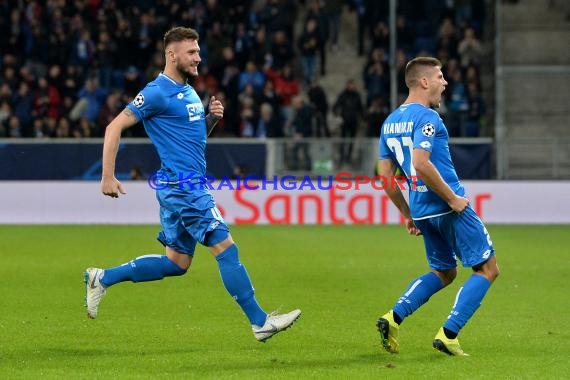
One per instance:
[(342, 277)]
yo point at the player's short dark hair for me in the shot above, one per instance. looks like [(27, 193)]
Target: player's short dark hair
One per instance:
[(413, 69), (178, 34)]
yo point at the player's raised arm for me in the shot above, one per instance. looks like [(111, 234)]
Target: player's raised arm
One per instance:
[(431, 177), (215, 115), (110, 186)]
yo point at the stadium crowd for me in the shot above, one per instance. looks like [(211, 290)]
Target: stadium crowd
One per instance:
[(68, 67)]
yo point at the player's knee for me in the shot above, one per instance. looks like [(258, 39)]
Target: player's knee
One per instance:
[(446, 276), (489, 269)]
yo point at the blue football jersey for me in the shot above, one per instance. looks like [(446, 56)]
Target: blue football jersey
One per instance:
[(174, 119), (414, 126)]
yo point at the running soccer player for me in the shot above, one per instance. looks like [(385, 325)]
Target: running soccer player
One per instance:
[(415, 141), (173, 117)]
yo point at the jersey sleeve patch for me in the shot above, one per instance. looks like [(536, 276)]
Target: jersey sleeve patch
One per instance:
[(138, 101), (428, 129), (150, 101)]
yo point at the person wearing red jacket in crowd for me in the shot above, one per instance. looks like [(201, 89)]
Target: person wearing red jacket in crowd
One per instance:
[(286, 87)]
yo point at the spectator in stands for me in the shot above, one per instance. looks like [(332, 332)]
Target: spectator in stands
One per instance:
[(155, 67), (110, 109), (106, 50), (251, 76), (84, 129), (476, 111), (320, 105), (380, 36), (457, 104), (10, 79), (405, 35), (333, 9), (349, 107), (131, 84), (38, 129), (376, 77), (359, 7), (90, 101), (83, 52), (376, 113), (242, 45), (286, 87), (472, 76), (145, 34), (317, 13), (5, 112), (309, 44), (260, 51), (470, 49), (63, 129), (302, 128), (268, 124), (270, 96), (247, 116), (46, 100), (282, 51), (23, 105), (14, 127), (401, 89)]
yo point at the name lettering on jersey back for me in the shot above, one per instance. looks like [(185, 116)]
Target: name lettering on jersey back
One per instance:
[(399, 128), (195, 111)]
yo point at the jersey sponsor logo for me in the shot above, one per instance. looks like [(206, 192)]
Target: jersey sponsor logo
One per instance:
[(195, 111), (138, 101), (428, 130), (425, 144)]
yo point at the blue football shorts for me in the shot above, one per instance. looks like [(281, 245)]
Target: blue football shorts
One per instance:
[(452, 237), (188, 216)]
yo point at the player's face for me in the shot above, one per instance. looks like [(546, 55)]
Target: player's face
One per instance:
[(187, 55), (437, 86)]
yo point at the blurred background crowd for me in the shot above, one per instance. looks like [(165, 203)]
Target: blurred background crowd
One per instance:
[(67, 68)]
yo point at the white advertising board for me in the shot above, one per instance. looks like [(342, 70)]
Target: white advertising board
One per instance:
[(70, 202)]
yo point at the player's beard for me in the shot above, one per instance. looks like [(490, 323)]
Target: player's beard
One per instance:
[(185, 72)]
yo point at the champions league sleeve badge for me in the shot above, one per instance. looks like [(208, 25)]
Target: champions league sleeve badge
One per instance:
[(138, 100), (428, 130)]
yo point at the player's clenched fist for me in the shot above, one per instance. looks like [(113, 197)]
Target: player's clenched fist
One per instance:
[(111, 187), (216, 108)]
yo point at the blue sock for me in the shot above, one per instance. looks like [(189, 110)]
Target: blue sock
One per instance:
[(467, 301), (418, 293), (143, 268), (238, 284)]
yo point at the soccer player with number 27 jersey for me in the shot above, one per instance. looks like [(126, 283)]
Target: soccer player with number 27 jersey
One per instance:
[(174, 119), (414, 141)]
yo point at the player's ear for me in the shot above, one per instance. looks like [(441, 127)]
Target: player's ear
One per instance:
[(170, 55)]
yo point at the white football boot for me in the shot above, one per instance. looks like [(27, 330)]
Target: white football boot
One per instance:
[(274, 324), (94, 290)]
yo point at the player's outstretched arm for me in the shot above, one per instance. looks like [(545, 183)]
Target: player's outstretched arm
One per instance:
[(431, 177), (110, 186), (215, 115)]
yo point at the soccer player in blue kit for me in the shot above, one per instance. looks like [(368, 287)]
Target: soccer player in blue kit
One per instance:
[(174, 119), (415, 141)]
